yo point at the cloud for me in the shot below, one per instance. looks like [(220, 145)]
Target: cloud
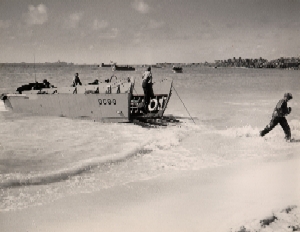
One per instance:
[(4, 24), (235, 24), (206, 23), (137, 37), (73, 20), (153, 24), (36, 15), (113, 33), (140, 6), (98, 25)]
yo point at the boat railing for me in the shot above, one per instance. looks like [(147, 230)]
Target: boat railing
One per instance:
[(114, 85)]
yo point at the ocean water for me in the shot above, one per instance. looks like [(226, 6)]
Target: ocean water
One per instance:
[(221, 112)]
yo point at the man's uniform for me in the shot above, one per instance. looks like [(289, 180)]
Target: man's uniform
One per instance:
[(147, 87), (76, 80), (278, 116)]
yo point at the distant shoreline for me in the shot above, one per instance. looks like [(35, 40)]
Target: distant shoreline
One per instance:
[(164, 65)]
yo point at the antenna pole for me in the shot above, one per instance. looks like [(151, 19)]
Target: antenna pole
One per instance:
[(34, 67)]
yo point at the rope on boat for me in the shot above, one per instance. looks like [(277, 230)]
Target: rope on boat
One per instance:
[(183, 104)]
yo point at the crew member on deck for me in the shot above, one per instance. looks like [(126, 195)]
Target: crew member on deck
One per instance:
[(95, 82), (76, 80), (47, 84), (278, 116), (147, 87)]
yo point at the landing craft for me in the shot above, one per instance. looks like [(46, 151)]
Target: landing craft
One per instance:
[(115, 101)]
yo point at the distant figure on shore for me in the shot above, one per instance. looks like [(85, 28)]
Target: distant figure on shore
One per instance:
[(76, 80), (147, 87), (278, 116)]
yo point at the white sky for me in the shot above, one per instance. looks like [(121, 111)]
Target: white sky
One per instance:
[(147, 31)]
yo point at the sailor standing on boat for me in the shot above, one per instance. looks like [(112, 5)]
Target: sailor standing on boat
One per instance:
[(47, 84), (147, 87), (76, 80)]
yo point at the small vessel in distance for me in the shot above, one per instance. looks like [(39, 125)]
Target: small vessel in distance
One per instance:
[(115, 67), (117, 100), (177, 69), (122, 68)]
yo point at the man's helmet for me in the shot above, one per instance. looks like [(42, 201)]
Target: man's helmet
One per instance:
[(289, 96)]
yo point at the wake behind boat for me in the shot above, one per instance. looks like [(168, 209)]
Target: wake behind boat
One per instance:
[(116, 101)]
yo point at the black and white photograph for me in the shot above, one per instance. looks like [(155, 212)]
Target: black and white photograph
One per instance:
[(149, 115)]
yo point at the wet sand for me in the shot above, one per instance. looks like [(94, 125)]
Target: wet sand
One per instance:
[(215, 199)]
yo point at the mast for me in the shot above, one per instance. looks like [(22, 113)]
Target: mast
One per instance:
[(34, 67)]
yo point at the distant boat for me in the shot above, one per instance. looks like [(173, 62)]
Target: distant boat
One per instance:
[(122, 68), (105, 65), (115, 67), (115, 100), (177, 69)]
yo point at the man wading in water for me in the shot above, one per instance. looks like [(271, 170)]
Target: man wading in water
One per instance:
[(278, 116)]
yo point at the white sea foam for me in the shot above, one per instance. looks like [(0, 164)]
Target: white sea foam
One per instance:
[(2, 106), (241, 103), (245, 131), (65, 173), (82, 156)]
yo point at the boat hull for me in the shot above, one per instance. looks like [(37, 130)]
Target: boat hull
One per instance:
[(100, 107), (105, 102)]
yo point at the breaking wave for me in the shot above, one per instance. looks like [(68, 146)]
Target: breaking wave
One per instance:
[(245, 131), (75, 169), (2, 106), (158, 141), (249, 131)]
